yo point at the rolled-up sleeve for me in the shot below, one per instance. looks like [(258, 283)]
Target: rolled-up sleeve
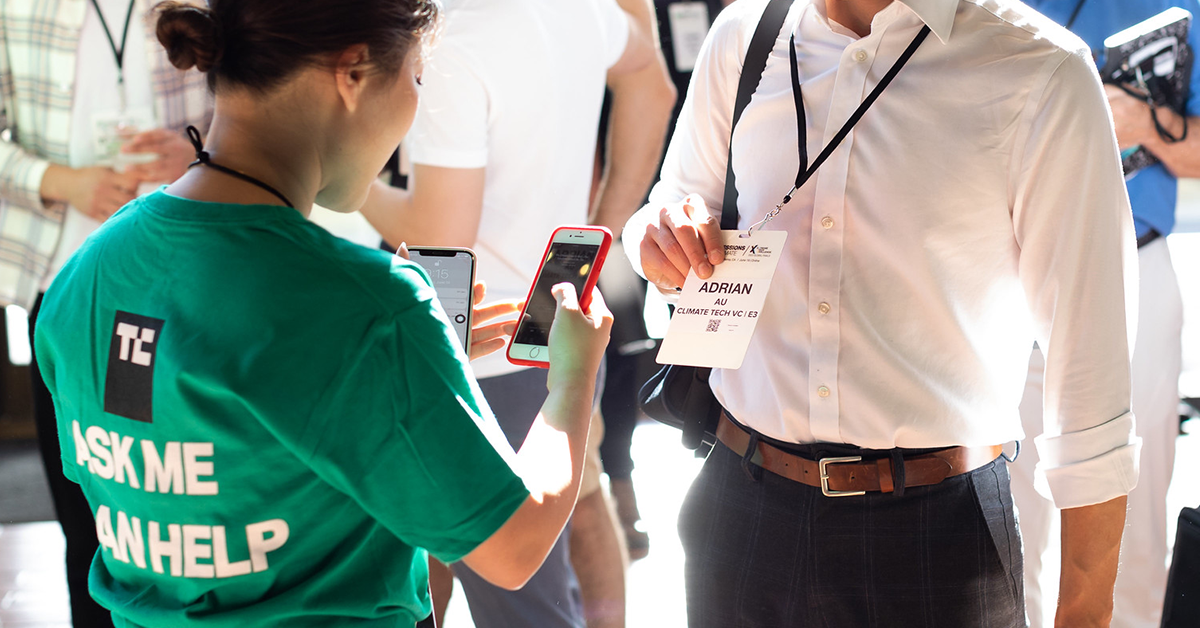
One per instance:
[(21, 176), (1078, 267)]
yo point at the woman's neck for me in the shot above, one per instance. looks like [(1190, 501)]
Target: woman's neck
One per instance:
[(855, 15), (259, 140)]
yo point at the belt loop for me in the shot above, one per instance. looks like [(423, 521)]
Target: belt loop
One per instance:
[(1016, 454), (898, 478), (753, 471)]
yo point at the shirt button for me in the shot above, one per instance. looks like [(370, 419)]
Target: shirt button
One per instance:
[(823, 308), (860, 55), (823, 391), (827, 222)]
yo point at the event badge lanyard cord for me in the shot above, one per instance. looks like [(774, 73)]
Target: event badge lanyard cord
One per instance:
[(806, 171), (118, 53)]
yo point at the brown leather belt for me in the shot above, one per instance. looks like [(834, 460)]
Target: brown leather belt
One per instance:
[(846, 476)]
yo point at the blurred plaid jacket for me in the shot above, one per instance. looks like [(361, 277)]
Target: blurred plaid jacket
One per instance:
[(38, 43)]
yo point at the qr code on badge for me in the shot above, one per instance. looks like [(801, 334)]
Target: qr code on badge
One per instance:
[(713, 325)]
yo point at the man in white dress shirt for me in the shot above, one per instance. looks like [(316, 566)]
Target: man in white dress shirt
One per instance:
[(978, 205)]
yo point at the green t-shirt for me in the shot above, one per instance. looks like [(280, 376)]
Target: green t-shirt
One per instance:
[(268, 422)]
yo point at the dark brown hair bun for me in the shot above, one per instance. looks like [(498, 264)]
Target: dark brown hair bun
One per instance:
[(190, 35)]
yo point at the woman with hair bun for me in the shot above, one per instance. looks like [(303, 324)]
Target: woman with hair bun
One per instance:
[(273, 425)]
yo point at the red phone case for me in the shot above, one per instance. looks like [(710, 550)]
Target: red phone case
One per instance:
[(585, 298)]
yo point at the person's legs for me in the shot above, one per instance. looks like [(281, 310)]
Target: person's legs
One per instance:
[(773, 552), (1142, 580), (596, 549), (1035, 513), (441, 587), (74, 514), (619, 408), (552, 597)]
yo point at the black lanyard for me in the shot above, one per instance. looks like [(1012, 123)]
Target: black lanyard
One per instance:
[(118, 53), (806, 170), (1074, 14), (202, 159)]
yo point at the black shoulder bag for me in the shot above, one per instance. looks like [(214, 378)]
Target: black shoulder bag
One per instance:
[(1181, 608), (678, 395)]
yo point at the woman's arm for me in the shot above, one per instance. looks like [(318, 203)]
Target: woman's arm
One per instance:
[(551, 460)]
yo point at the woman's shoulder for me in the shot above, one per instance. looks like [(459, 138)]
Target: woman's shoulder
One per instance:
[(394, 283)]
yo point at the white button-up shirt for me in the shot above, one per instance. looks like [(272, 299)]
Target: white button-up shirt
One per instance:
[(978, 206)]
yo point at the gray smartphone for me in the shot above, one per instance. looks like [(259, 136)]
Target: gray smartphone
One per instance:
[(452, 271)]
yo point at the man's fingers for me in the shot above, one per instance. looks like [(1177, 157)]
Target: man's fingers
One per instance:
[(686, 231), (487, 347), (710, 236), (478, 291), (485, 333), (669, 247), (148, 141), (658, 269), (126, 182), (484, 313)]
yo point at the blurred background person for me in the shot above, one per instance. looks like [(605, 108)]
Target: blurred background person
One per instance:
[(91, 114), (1141, 581), (502, 152), (629, 360)]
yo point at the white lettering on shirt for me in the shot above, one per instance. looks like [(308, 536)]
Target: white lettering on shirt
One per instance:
[(102, 462), (82, 457), (193, 551), (261, 544), (138, 336), (226, 569), (171, 548), (129, 540), (195, 468), (104, 529), (179, 470), (121, 461), (190, 556), (163, 474)]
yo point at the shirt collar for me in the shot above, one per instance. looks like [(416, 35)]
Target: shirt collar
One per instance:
[(937, 14)]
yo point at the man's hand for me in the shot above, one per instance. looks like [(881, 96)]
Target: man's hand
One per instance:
[(1091, 546), (174, 152), (1131, 117), (487, 338), (97, 192), (686, 237)]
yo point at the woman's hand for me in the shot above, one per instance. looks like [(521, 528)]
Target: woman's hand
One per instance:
[(490, 337), (577, 338)]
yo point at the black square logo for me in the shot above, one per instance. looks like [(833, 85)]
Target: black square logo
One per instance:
[(129, 385)]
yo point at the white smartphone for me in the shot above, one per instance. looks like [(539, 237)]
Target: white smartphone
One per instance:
[(574, 255), (452, 271)]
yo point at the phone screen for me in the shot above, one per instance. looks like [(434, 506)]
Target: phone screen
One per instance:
[(451, 272), (566, 262)]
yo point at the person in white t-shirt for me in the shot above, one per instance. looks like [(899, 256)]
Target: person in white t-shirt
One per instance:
[(503, 152), (95, 115)]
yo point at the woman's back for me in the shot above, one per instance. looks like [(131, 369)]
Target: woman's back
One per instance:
[(263, 409)]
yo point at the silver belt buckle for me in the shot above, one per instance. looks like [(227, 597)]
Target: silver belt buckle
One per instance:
[(823, 468)]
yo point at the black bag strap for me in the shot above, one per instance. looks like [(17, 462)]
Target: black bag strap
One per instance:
[(752, 69)]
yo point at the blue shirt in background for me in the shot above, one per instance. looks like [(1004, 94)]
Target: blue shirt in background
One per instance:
[(1152, 191)]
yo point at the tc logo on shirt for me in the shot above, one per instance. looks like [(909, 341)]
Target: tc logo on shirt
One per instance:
[(130, 382)]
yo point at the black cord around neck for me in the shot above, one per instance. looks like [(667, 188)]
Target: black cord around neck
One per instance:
[(203, 159)]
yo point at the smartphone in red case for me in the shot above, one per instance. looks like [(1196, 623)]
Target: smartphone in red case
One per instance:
[(574, 255)]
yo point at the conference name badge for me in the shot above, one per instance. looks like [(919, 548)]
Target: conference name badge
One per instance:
[(715, 317)]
